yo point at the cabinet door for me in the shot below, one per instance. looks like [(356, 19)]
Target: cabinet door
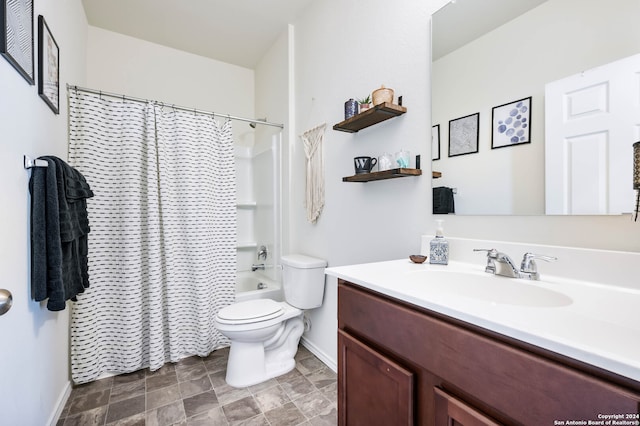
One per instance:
[(372, 389), (450, 411)]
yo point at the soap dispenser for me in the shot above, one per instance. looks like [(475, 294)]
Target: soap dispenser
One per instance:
[(439, 253)]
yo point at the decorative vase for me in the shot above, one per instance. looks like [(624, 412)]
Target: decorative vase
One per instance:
[(350, 108)]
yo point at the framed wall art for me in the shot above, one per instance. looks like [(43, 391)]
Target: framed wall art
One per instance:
[(511, 124), (16, 37), (435, 142), (463, 135), (48, 66)]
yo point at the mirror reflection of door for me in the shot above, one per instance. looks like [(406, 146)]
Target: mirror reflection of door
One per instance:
[(591, 120), (514, 59)]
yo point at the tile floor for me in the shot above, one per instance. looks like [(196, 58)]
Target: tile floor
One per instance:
[(193, 392)]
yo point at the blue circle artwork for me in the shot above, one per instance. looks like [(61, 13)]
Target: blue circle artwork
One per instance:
[(512, 126)]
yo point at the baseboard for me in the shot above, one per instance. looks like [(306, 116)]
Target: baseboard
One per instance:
[(321, 355), (62, 401)]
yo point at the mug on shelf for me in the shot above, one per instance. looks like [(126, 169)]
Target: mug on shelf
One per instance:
[(364, 164)]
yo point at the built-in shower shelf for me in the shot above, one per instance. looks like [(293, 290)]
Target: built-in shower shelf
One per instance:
[(246, 205), (247, 245)]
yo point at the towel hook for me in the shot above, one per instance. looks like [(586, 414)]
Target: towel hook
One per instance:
[(30, 163)]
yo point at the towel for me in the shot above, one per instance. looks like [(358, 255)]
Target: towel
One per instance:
[(59, 228), (443, 200)]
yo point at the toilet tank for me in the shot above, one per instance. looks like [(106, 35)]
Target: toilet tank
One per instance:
[(303, 280)]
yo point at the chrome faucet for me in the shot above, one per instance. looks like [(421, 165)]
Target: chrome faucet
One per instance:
[(499, 263), (255, 267)]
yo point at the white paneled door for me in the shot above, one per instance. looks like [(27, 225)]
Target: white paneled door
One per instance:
[(592, 120)]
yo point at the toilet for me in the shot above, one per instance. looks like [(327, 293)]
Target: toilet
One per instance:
[(264, 334)]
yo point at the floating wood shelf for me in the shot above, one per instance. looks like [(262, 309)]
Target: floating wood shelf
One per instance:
[(385, 174), (436, 175), (370, 117)]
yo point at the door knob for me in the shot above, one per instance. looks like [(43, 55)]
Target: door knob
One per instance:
[(6, 300)]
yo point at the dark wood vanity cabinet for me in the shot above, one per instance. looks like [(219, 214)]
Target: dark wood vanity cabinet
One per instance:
[(399, 364)]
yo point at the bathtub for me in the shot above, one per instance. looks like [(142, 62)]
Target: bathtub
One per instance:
[(247, 284)]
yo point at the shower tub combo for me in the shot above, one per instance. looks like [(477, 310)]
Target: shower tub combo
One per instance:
[(252, 285)]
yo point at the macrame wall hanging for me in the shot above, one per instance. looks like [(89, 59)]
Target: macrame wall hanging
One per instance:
[(314, 189)]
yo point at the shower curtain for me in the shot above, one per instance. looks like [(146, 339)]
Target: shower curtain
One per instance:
[(162, 249)]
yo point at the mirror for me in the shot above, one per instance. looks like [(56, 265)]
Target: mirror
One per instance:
[(488, 53)]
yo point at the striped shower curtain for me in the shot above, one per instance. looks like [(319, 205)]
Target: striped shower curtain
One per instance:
[(162, 247)]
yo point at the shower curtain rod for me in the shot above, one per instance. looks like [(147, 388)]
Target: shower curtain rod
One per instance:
[(194, 110)]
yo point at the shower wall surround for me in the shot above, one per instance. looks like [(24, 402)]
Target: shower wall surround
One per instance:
[(258, 196)]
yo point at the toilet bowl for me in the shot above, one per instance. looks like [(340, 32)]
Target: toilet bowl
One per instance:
[(264, 334)]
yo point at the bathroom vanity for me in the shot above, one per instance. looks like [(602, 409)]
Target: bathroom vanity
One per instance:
[(438, 357)]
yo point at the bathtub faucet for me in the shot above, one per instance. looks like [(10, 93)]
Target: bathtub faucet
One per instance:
[(255, 267)]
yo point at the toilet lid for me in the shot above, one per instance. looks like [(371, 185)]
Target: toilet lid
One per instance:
[(250, 311)]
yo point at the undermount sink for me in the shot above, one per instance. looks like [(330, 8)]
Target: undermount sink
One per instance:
[(489, 288)]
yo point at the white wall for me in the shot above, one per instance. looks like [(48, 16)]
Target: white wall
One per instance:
[(34, 351), (513, 62), (126, 65), (335, 61)]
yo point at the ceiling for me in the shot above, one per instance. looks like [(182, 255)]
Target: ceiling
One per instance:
[(462, 21), (234, 31), (239, 32)]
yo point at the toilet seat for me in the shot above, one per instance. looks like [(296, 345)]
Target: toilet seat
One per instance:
[(250, 311)]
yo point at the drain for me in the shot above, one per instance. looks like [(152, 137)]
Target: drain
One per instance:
[(262, 286)]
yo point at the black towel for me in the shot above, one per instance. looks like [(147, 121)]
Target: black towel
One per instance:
[(46, 251), (443, 200), (59, 228)]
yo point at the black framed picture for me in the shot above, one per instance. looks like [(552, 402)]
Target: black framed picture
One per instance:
[(16, 37), (435, 142), (463, 135), (511, 123), (48, 66)]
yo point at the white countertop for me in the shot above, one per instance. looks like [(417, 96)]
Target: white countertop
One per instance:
[(599, 325)]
